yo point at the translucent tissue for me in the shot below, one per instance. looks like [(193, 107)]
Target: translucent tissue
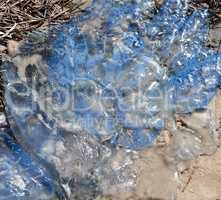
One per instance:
[(22, 177), (110, 78)]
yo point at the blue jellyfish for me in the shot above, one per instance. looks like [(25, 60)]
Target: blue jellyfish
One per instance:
[(108, 79)]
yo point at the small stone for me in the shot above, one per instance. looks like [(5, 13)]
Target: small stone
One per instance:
[(13, 47)]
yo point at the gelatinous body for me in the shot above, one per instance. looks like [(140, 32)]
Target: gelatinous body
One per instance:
[(111, 78), (22, 177)]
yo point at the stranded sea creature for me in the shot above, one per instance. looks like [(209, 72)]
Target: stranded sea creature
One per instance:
[(110, 77)]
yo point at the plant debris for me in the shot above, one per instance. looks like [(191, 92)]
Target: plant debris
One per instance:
[(18, 17)]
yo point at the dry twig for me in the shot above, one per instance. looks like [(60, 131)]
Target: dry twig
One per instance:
[(18, 17)]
